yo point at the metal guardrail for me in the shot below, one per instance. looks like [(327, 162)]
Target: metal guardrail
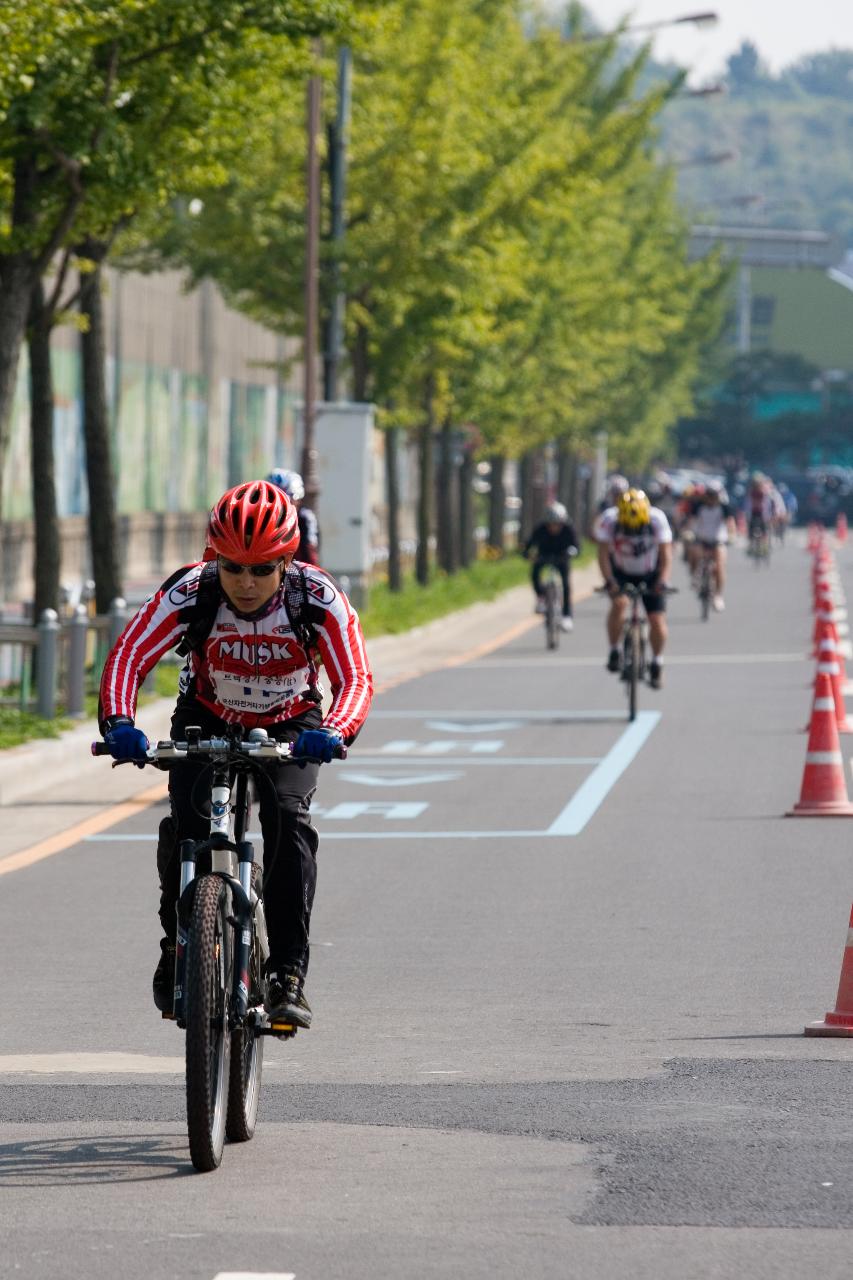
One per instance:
[(55, 655)]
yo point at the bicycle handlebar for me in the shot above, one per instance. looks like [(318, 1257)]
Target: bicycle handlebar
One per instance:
[(222, 749)]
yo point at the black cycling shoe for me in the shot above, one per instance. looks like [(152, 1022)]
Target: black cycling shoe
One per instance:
[(655, 675), (614, 661), (163, 985), (285, 1001)]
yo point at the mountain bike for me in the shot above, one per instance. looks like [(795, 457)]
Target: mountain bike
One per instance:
[(705, 580), (552, 596), (758, 546), (222, 945), (635, 639)]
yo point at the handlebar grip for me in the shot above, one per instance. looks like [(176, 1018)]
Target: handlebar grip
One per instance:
[(341, 753), (100, 749)]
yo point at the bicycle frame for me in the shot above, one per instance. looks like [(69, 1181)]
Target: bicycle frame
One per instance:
[(232, 862)]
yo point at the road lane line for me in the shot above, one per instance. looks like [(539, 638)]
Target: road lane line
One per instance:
[(593, 789), (83, 830), (470, 655), (255, 1275)]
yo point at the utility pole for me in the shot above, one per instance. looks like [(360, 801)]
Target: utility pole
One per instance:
[(338, 141), (312, 248)]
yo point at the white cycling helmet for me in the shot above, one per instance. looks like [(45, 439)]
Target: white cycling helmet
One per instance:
[(289, 481), (556, 513), (616, 486)]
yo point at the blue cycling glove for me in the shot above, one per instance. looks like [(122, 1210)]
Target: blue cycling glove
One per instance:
[(126, 742), (318, 744)]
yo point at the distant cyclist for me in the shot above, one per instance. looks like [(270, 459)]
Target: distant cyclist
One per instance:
[(614, 487), (309, 530), (711, 522), (554, 541), (635, 546), (760, 507)]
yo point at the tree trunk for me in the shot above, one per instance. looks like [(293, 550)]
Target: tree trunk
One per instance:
[(427, 484), (360, 361), (392, 481), (566, 468), (466, 509), (16, 280), (103, 530), (446, 531), (497, 502), (532, 491), (45, 518)]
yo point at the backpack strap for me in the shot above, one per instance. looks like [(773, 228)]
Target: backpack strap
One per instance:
[(297, 604), (200, 615)]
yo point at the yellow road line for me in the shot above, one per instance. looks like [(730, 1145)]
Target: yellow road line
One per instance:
[(89, 826), (470, 655)]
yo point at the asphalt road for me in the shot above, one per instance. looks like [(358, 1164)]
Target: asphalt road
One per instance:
[(560, 973)]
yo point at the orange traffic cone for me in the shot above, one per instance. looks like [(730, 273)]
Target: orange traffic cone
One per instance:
[(824, 792), (824, 629), (841, 527), (839, 1022)]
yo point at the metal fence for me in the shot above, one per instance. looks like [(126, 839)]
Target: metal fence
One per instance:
[(53, 664)]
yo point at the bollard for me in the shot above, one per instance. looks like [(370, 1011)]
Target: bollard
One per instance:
[(117, 617), (48, 653), (78, 634)]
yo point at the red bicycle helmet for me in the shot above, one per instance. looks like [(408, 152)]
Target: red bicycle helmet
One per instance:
[(253, 523)]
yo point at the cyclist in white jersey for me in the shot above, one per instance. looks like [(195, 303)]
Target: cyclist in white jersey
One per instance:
[(711, 522), (635, 546)]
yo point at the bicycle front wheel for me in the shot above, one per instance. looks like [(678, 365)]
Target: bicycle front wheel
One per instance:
[(247, 1062), (552, 634), (208, 1040), (630, 666)]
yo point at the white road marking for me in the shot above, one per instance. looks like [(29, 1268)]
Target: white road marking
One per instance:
[(366, 757), (439, 747), (398, 779), (390, 810), (677, 660), (107, 1063), (255, 1275), (142, 1064), (593, 789), (484, 726), (519, 716)]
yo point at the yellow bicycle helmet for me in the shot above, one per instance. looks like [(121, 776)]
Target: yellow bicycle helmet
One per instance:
[(634, 509)]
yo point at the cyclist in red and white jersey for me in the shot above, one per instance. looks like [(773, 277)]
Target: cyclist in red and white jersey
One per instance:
[(253, 667), (635, 546)]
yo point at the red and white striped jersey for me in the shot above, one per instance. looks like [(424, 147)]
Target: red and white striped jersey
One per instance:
[(250, 671)]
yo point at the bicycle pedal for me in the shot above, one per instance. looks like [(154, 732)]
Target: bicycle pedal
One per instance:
[(283, 1030)]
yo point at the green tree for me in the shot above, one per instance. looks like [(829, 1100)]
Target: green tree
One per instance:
[(83, 84)]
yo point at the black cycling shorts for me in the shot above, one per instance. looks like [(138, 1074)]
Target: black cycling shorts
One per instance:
[(654, 601)]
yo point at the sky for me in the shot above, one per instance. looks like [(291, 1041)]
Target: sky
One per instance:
[(782, 30)]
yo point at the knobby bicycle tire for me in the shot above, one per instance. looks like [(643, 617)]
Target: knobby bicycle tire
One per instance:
[(630, 663), (208, 1041), (552, 634), (247, 1063), (705, 594)]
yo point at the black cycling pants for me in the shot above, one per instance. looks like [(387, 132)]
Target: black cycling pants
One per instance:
[(561, 564), (290, 841)]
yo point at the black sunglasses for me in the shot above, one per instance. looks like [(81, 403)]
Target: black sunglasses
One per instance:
[(256, 570)]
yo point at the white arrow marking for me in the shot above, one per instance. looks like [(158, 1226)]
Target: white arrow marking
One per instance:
[(398, 779), (486, 726)]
